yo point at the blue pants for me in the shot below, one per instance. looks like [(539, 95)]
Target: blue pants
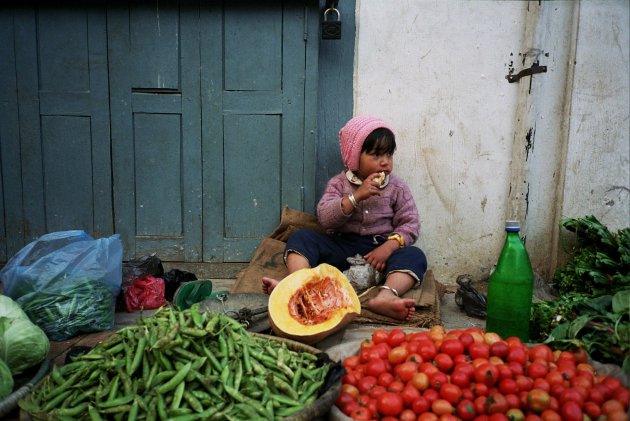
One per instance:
[(334, 249)]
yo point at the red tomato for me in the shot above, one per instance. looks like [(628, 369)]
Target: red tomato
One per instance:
[(487, 373), (465, 410), (498, 417), (622, 395), (524, 383), (499, 349), (366, 383), (406, 370), (466, 339), (379, 336), (396, 337), (414, 358), (513, 400), (350, 406), (536, 370), (350, 378), (480, 404), (397, 354), (420, 381), (396, 386), (581, 356), (496, 403), (571, 411), (409, 394), (351, 389), (407, 415), (389, 403), (550, 415), (427, 350), (541, 383), (571, 395), (430, 395), (451, 392), (361, 413), (504, 372), (507, 386), (444, 362), (541, 351), (441, 407), (538, 400), (428, 416), (375, 367), (421, 405), (376, 391), (438, 379), (460, 378), (517, 354), (515, 368), (452, 347), (351, 362), (592, 409), (384, 379), (343, 399), (479, 350), (479, 389), (462, 359), (428, 368)]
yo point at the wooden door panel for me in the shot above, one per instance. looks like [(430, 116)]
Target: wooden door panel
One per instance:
[(61, 108), (154, 74)]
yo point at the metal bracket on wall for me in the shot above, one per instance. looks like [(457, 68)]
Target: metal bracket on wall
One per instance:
[(527, 72)]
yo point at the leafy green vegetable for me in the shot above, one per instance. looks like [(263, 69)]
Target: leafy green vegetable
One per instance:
[(602, 328), (601, 262), (6, 380), (22, 343), (593, 309)]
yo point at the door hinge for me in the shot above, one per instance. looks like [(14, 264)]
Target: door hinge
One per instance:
[(536, 68)]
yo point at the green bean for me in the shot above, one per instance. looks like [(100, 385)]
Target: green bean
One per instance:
[(176, 380), (133, 412), (116, 409), (69, 412), (311, 389), (193, 402), (54, 402), (93, 413), (161, 408), (116, 402), (178, 395), (138, 357)]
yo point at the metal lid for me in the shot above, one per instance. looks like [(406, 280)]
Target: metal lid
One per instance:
[(512, 225)]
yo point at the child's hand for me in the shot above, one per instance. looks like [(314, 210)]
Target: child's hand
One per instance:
[(377, 258), (369, 187)]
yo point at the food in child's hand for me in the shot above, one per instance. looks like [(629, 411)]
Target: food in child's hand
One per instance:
[(380, 179)]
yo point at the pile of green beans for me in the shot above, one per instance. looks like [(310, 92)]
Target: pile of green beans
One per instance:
[(180, 365)]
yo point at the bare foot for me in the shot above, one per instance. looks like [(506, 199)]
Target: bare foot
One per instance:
[(268, 284), (392, 306)]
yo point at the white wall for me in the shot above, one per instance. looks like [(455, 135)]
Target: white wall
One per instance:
[(477, 150)]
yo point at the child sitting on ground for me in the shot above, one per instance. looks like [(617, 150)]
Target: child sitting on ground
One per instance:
[(366, 210)]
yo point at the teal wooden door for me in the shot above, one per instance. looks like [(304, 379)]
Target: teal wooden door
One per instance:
[(54, 124), (258, 139), (183, 126), (156, 129), (210, 128)]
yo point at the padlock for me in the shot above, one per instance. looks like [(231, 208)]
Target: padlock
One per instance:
[(331, 29)]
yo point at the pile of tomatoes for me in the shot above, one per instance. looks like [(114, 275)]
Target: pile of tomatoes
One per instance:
[(469, 374)]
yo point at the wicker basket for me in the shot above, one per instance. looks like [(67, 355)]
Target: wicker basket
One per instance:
[(321, 407)]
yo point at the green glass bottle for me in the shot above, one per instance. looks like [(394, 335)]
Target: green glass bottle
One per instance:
[(510, 288)]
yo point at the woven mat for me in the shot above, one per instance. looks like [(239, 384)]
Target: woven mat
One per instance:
[(268, 261)]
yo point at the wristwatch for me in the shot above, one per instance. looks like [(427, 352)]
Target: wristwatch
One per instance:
[(397, 237)]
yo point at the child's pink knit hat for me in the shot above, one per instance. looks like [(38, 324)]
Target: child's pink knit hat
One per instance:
[(352, 136)]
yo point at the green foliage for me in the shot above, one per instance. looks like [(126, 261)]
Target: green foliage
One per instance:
[(601, 261), (593, 309)]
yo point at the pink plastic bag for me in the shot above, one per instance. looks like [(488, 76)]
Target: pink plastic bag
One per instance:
[(146, 293)]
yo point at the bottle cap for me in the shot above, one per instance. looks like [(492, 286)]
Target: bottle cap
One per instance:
[(512, 225)]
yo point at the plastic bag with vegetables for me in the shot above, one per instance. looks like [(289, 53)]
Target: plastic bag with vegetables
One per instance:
[(22, 343), (66, 282)]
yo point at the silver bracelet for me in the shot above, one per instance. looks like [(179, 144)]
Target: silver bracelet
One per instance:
[(352, 200), (393, 290)]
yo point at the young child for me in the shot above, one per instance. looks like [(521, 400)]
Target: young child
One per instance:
[(363, 214)]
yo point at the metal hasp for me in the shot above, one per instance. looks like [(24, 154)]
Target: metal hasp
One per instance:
[(527, 72)]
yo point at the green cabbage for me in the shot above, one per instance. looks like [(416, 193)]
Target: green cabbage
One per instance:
[(6, 380), (22, 343)]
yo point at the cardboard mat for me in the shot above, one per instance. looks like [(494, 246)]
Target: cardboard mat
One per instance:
[(268, 261)]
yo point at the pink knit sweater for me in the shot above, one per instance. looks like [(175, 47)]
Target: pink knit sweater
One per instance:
[(394, 211)]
